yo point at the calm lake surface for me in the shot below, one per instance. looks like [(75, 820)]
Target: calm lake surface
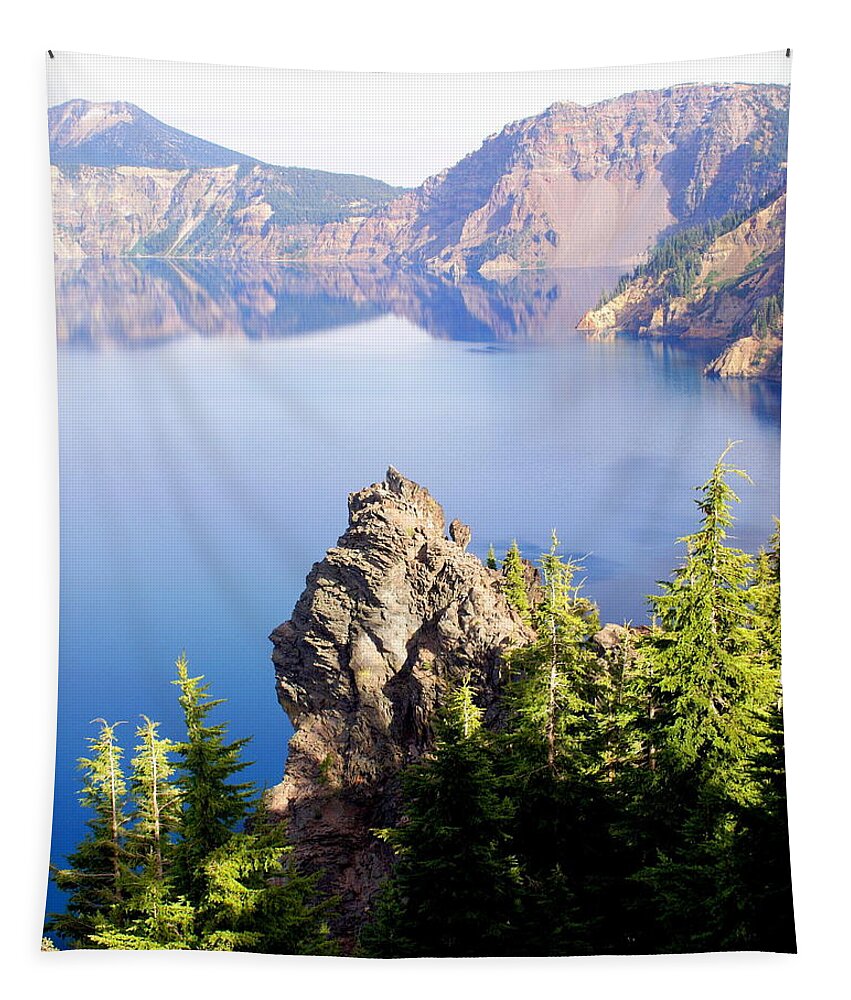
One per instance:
[(214, 418)]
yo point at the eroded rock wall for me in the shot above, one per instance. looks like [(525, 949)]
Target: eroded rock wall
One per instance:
[(392, 616)]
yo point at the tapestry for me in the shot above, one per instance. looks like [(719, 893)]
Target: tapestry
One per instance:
[(420, 552)]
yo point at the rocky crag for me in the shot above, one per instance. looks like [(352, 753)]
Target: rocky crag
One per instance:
[(572, 187), (736, 298), (391, 617)]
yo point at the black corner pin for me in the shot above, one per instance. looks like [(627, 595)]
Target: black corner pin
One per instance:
[(788, 53), (50, 53)]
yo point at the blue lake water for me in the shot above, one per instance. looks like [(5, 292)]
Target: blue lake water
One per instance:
[(214, 418)]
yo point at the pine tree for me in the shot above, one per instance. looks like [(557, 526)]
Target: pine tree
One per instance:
[(152, 918), (150, 915), (752, 889), (454, 889), (621, 708), (156, 800), (491, 562), (176, 875), (258, 901), (731, 888), (713, 690), (766, 600), (753, 894), (96, 879), (551, 695), (514, 582), (709, 679), (212, 804), (554, 767)]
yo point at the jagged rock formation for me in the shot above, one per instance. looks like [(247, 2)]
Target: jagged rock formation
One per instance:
[(574, 186), (739, 274), (389, 618)]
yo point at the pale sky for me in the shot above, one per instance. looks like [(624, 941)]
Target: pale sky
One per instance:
[(398, 127)]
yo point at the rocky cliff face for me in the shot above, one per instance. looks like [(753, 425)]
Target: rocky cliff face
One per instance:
[(739, 273), (574, 186), (234, 212), (584, 186), (392, 615)]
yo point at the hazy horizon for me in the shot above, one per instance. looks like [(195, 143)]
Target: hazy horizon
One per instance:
[(397, 127)]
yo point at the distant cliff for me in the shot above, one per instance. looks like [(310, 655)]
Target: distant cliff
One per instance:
[(126, 184), (730, 289), (573, 186), (585, 186), (235, 212), (392, 616)]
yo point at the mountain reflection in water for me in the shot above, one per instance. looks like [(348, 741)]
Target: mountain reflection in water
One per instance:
[(147, 301)]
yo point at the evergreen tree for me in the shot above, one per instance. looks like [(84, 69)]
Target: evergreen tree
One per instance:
[(708, 677), (244, 893), (766, 600), (212, 804), (491, 562), (552, 692), (454, 889), (96, 879), (554, 766), (620, 701), (752, 888), (258, 901), (152, 918), (753, 893), (156, 800), (150, 915), (713, 691), (730, 889), (514, 582)]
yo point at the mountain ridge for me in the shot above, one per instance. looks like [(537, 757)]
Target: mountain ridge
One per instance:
[(574, 186)]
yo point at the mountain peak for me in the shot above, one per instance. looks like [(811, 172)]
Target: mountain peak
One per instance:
[(118, 133), (77, 119)]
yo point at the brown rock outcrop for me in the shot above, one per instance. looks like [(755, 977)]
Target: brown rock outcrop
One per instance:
[(739, 272), (394, 614), (750, 357)]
